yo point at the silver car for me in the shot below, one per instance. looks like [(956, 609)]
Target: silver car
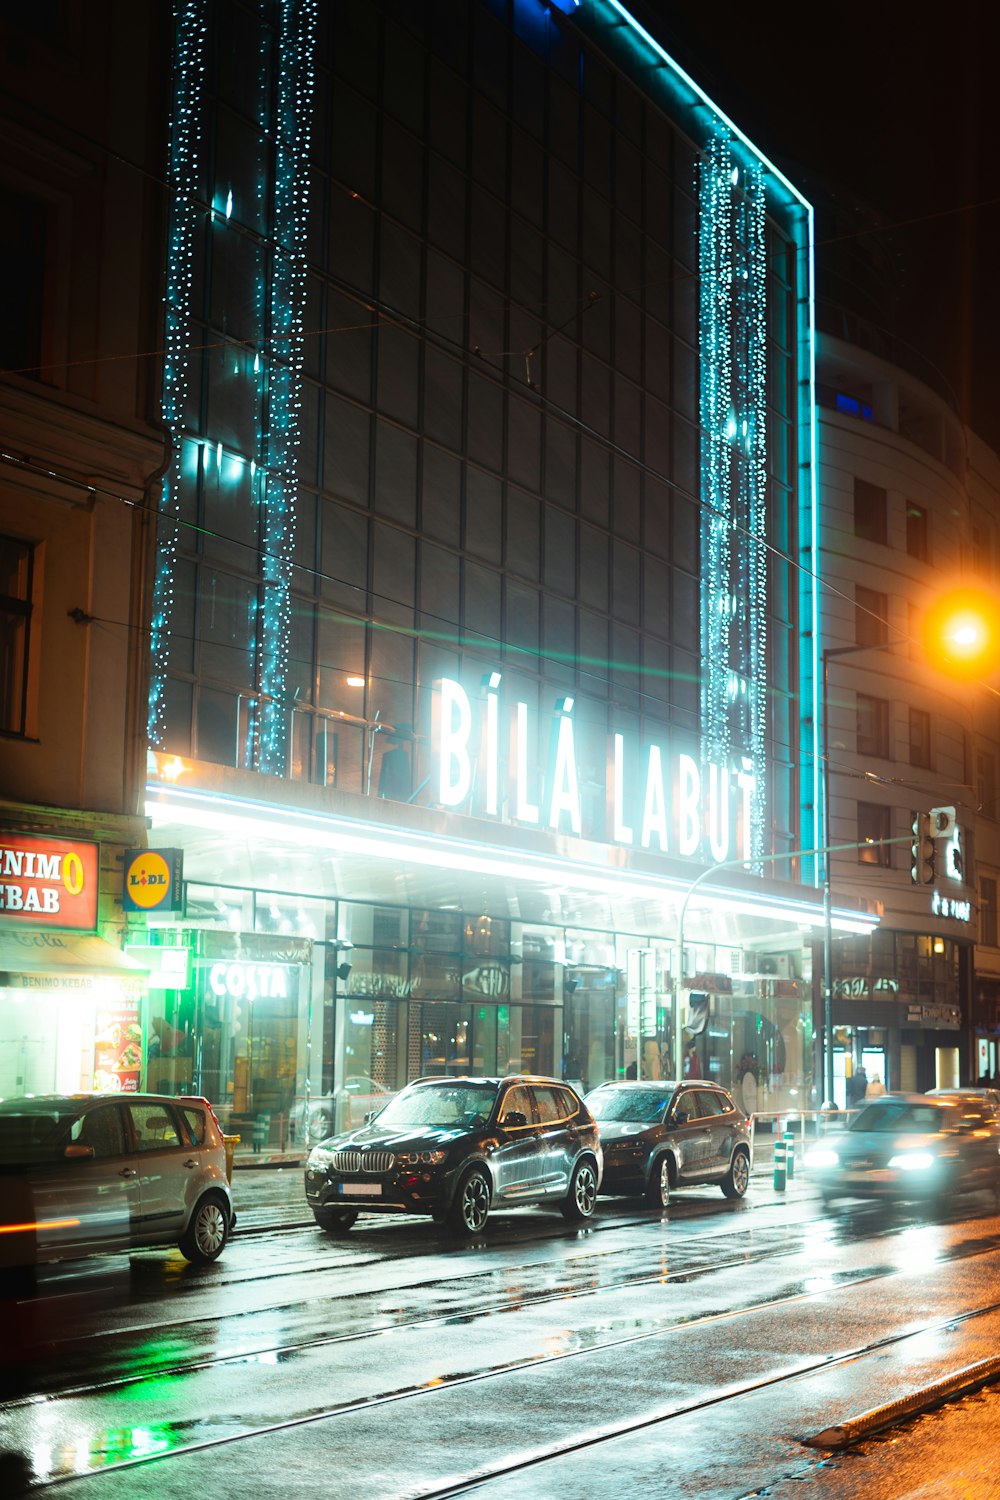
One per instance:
[(86, 1172), (910, 1146)]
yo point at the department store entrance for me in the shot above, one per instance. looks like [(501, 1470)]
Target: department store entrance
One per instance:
[(448, 1039)]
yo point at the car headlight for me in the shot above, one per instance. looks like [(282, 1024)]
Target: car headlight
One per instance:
[(822, 1156), (319, 1159), (912, 1161), (421, 1158)]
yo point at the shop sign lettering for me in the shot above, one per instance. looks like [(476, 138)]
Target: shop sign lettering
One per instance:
[(248, 981), (675, 805), (48, 880), (859, 988), (947, 906)]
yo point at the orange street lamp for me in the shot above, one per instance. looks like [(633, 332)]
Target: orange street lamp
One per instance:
[(961, 633)]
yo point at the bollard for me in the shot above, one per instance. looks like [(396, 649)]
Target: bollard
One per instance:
[(779, 1166), (261, 1130), (789, 1155)]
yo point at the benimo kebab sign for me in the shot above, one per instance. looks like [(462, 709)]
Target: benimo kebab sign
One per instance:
[(48, 882)]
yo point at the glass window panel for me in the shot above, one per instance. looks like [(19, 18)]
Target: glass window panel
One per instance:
[(523, 549), (343, 556), (446, 207), (443, 398), (395, 474), (439, 589), (399, 269), (482, 603), (524, 443), (626, 582), (593, 567), (352, 240), (485, 421), (393, 578), (483, 509), (348, 346), (354, 132), (560, 551), (346, 450), (441, 495), (522, 617)]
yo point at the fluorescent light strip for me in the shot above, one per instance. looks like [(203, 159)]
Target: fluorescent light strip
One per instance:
[(239, 817), (675, 68)]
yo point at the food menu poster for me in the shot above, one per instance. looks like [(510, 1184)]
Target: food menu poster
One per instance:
[(118, 1047)]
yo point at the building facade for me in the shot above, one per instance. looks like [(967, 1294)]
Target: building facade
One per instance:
[(484, 638), (82, 452), (910, 502)]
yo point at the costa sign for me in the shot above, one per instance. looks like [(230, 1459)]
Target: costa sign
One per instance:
[(655, 800), (48, 881)]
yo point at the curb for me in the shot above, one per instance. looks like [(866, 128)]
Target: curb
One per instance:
[(853, 1429)]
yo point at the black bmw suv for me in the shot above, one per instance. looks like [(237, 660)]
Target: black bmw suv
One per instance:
[(456, 1147)]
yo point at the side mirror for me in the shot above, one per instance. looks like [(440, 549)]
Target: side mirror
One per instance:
[(76, 1152), (679, 1117), (513, 1118)]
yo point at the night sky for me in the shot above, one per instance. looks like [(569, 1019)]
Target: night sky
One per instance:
[(896, 104)]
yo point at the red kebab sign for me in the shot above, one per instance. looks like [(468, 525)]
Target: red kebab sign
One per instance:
[(48, 882)]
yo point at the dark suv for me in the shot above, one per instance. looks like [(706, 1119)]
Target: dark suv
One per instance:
[(658, 1135), (456, 1147)]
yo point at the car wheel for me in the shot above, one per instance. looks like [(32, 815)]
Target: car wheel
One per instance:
[(335, 1220), (737, 1179), (658, 1187), (205, 1237), (579, 1201), (320, 1126), (471, 1203)]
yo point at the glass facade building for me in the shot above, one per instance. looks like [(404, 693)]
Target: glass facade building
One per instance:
[(487, 545)]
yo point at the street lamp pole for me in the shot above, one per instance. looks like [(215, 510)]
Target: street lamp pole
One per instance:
[(826, 656)]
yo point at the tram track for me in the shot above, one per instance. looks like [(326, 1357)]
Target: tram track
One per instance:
[(705, 1266), (506, 1370)]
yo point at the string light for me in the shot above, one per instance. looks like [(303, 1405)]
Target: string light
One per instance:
[(732, 269), (183, 151), (285, 85)]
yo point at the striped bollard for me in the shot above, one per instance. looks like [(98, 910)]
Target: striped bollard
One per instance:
[(779, 1166), (789, 1155)]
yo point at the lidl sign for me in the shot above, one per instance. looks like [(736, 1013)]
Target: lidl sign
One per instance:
[(153, 880)]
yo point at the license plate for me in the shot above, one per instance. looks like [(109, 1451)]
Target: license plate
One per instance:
[(361, 1189), (876, 1175)]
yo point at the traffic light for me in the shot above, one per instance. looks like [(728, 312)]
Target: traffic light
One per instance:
[(943, 820), (922, 850)]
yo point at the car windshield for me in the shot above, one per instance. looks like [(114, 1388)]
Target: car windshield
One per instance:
[(440, 1104), (29, 1131), (901, 1117), (630, 1106)]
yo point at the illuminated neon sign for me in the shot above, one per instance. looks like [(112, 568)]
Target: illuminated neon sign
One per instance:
[(678, 806)]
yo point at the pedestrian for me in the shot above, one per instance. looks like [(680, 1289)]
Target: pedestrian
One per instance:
[(857, 1086), (875, 1088)]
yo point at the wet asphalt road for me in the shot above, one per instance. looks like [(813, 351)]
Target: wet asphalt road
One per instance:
[(686, 1354)]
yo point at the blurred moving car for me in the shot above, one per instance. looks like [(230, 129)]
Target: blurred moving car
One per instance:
[(456, 1147), (911, 1146), (988, 1097), (323, 1115), (658, 1135), (86, 1172)]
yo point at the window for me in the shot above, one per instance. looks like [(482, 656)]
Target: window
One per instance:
[(101, 1130), (916, 531), (24, 258), (988, 911), (870, 510), (986, 782), (871, 611), (16, 568), (155, 1127), (920, 738), (874, 832), (873, 725)]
